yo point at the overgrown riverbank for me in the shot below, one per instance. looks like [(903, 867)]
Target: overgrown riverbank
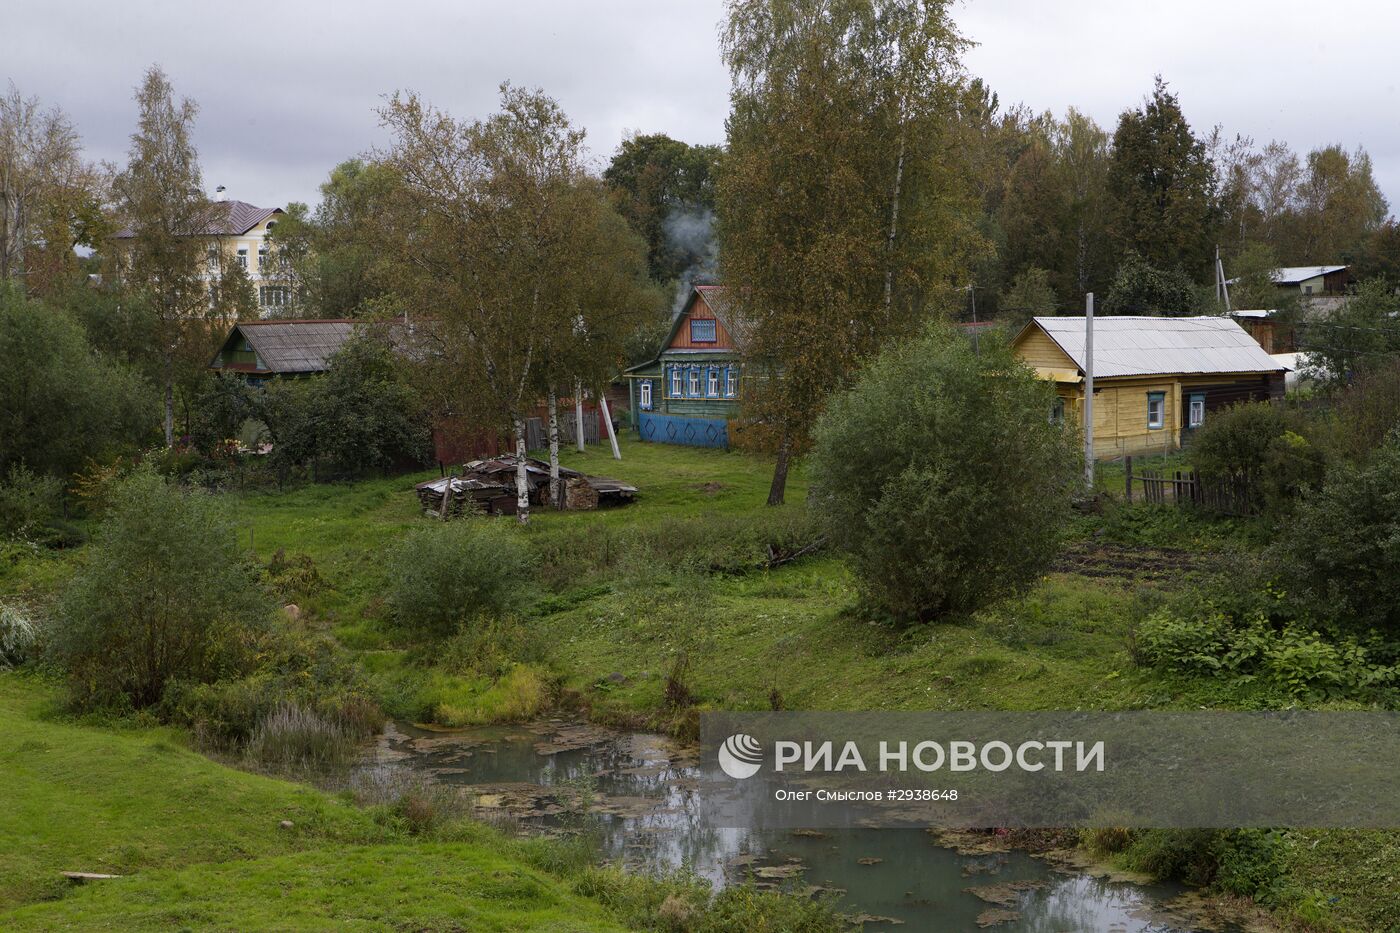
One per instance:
[(649, 614)]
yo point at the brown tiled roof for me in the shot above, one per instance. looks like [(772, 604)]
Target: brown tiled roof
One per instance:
[(226, 218)]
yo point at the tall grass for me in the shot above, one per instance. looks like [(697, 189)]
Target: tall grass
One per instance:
[(18, 634), (294, 739)]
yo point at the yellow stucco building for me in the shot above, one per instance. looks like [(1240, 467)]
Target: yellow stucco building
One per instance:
[(237, 234), (1156, 379)]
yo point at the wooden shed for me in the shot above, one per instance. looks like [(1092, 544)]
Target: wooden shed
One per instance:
[(1156, 379)]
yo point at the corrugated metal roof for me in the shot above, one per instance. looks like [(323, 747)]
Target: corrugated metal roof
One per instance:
[(296, 346), (1142, 346), (1292, 275)]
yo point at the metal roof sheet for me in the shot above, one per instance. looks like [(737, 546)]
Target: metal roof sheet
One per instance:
[(1141, 346), (1291, 275)]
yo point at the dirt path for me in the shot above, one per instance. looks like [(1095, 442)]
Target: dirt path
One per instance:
[(1127, 562)]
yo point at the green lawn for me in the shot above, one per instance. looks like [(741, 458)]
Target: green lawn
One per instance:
[(200, 844)]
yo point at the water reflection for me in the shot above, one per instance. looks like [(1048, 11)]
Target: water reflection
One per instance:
[(638, 794)]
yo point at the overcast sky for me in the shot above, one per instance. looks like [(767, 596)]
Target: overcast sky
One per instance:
[(287, 90)]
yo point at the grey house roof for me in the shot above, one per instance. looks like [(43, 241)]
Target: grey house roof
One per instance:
[(226, 218), (1292, 275), (1142, 346), (295, 346)]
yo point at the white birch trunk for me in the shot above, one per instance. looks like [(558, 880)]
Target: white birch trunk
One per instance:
[(554, 498), (522, 488), (578, 414), (169, 399)]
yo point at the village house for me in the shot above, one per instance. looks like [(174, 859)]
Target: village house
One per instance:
[(259, 351), (691, 390), (1313, 280), (1156, 379), (237, 234)]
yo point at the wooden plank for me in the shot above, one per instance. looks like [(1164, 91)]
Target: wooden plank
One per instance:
[(81, 877)]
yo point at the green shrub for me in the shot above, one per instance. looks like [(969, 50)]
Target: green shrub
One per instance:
[(295, 668), (28, 501), (940, 475), (1258, 445), (445, 577), (1251, 863), (164, 594), (1184, 854), (293, 739), (1300, 662), (1343, 548), (18, 634)]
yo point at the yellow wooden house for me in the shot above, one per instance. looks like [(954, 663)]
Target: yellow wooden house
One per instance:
[(1156, 379)]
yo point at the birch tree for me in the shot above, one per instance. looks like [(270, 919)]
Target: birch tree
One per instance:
[(49, 196), (161, 198), (840, 208), (491, 203)]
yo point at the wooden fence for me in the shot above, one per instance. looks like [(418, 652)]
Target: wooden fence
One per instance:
[(1228, 497)]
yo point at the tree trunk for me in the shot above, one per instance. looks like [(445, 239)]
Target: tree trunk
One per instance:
[(894, 229), (578, 414), (555, 498), (522, 488), (780, 472), (169, 399)]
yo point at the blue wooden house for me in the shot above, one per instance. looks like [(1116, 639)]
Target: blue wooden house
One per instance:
[(688, 394)]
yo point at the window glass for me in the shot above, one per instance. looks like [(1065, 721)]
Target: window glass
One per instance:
[(1197, 415), (675, 382), (702, 330), (1057, 411), (646, 393), (1156, 409), (693, 389), (712, 383), (731, 381)]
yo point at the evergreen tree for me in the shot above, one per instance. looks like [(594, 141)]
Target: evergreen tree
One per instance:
[(1162, 183)]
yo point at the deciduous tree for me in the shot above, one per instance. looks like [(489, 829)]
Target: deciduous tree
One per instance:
[(161, 198), (842, 205)]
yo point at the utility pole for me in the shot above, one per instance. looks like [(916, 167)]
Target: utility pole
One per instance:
[(1222, 288), (1089, 391)]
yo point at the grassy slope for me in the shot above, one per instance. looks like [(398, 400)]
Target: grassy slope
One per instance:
[(201, 844), (792, 630)]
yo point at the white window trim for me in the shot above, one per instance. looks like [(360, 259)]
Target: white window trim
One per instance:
[(692, 382), (731, 381), (1196, 412), (1159, 422), (644, 394), (712, 382), (677, 382)]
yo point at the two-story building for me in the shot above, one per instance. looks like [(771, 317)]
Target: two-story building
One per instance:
[(690, 391), (237, 234)]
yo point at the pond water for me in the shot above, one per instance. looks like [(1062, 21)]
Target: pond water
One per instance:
[(635, 794)]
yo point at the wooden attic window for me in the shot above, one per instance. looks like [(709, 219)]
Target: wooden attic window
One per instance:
[(702, 330)]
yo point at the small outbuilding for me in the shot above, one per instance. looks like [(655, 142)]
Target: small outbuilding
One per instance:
[(1156, 379)]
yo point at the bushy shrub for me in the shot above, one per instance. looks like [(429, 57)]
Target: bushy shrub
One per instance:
[(18, 634), (296, 668), (444, 577), (28, 501), (294, 739), (1184, 854), (940, 475), (1256, 444), (1343, 548), (60, 401), (1251, 863), (164, 594), (361, 415)]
